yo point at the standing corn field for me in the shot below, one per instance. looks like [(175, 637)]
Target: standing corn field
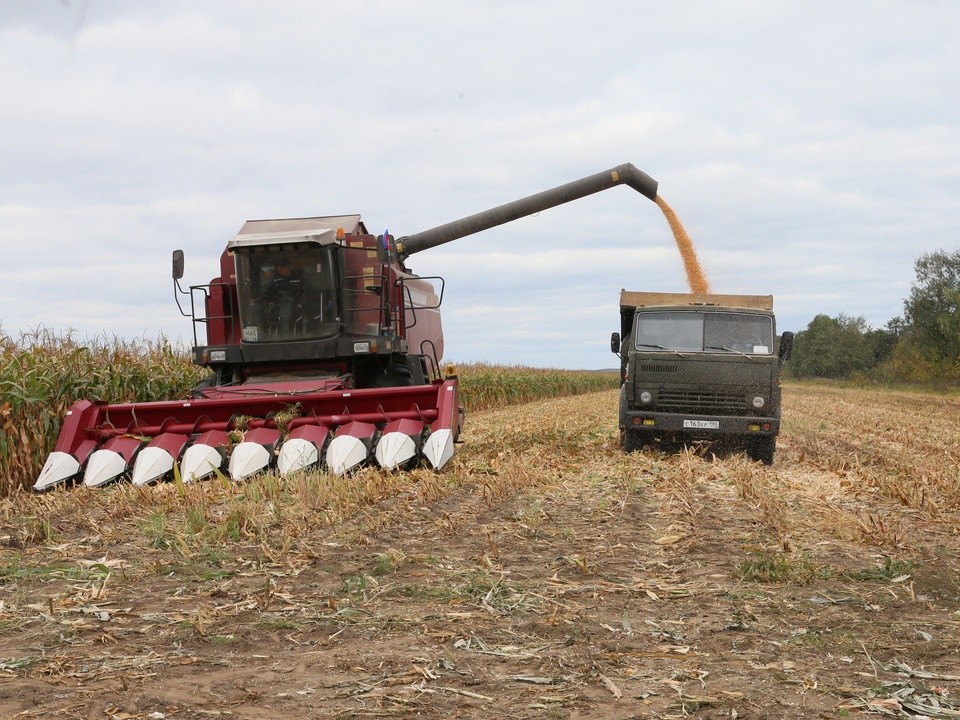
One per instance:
[(42, 374)]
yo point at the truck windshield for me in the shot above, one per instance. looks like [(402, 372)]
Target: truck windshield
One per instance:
[(286, 292), (682, 331)]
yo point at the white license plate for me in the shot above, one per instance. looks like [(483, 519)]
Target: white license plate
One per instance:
[(702, 424)]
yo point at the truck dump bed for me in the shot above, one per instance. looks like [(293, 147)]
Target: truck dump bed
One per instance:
[(630, 299)]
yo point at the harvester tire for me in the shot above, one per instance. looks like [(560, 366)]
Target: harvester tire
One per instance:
[(208, 382), (397, 375)]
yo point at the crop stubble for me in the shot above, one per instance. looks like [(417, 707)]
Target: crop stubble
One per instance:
[(545, 575)]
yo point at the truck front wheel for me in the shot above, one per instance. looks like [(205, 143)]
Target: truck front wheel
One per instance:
[(631, 440), (762, 449)]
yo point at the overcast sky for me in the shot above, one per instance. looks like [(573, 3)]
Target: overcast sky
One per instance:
[(812, 150)]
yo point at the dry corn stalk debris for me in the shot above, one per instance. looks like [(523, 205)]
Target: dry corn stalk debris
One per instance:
[(545, 572)]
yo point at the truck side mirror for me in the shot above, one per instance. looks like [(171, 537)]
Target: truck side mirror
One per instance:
[(177, 264), (615, 343), (786, 346)]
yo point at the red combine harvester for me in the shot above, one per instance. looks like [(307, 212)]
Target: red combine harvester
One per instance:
[(324, 351)]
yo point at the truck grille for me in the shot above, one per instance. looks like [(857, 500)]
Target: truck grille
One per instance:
[(703, 402), (652, 368)]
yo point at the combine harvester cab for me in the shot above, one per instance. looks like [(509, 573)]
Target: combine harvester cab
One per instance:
[(324, 351)]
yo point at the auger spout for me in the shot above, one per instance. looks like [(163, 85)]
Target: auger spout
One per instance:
[(625, 174)]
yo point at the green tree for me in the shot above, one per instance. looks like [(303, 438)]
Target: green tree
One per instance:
[(833, 348), (932, 312), (883, 341)]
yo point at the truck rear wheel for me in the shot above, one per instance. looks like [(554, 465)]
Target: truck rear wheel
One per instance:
[(762, 449)]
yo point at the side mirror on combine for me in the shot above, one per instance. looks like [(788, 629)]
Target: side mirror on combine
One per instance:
[(177, 264), (786, 346), (615, 343), (177, 275)]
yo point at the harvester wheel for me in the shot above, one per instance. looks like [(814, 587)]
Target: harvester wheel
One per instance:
[(397, 375), (208, 382)]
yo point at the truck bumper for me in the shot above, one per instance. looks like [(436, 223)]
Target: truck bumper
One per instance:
[(701, 426)]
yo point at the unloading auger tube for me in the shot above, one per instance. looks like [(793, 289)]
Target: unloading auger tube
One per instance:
[(625, 174), (231, 425)]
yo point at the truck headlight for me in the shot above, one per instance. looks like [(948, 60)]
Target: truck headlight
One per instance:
[(758, 402), (645, 396)]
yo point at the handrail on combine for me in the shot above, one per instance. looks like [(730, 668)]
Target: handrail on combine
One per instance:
[(205, 289)]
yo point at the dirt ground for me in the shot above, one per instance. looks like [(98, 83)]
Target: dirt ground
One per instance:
[(544, 575)]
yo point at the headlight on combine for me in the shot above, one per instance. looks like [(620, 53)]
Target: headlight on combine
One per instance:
[(645, 396), (213, 356), (758, 402)]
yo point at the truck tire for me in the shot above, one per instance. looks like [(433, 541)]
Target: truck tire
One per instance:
[(629, 439), (762, 449)]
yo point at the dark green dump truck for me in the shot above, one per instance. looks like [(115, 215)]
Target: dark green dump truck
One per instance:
[(699, 367)]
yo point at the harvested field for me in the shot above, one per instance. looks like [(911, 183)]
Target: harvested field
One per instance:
[(545, 575)]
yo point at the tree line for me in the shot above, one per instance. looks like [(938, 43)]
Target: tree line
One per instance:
[(921, 346)]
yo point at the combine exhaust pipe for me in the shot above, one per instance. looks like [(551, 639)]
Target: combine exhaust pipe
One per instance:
[(625, 174)]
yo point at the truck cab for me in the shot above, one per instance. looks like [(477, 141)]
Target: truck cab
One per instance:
[(699, 367)]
